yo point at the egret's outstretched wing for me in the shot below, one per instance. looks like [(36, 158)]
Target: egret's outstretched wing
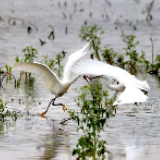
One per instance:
[(72, 60), (131, 95), (49, 77), (91, 67), (95, 67)]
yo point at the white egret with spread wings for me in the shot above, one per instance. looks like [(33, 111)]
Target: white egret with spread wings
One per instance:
[(51, 81), (128, 83)]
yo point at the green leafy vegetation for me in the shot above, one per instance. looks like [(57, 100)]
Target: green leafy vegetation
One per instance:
[(134, 58), (4, 112), (54, 64), (92, 32), (131, 59), (30, 53), (96, 108)]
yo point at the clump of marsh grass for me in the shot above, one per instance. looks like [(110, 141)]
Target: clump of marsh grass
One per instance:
[(4, 112)]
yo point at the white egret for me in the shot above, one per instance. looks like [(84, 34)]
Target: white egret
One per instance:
[(51, 81), (128, 83)]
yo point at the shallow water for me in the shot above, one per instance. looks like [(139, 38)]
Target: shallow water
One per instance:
[(134, 131)]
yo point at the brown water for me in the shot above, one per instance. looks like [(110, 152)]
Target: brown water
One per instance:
[(133, 133)]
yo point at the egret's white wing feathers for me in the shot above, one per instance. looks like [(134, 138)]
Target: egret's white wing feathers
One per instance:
[(72, 60), (131, 95), (49, 77), (94, 67), (91, 67)]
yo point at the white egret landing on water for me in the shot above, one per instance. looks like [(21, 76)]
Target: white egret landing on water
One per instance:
[(131, 87), (51, 81)]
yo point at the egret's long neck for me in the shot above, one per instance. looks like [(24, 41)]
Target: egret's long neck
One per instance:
[(72, 80), (118, 87)]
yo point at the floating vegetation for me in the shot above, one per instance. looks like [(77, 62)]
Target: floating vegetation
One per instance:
[(96, 108), (4, 112)]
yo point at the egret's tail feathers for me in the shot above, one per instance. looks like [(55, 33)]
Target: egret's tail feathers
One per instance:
[(131, 95)]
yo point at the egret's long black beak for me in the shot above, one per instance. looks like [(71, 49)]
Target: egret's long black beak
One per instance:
[(145, 92), (97, 77), (89, 79)]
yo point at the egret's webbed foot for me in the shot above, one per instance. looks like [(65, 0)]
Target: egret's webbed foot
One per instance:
[(43, 113), (64, 107)]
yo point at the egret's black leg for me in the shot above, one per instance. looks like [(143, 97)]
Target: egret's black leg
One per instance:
[(59, 104), (51, 102), (96, 77)]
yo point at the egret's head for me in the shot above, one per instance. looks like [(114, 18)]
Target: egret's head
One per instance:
[(145, 92), (85, 77), (143, 85)]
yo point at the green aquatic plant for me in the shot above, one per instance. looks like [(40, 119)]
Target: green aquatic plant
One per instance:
[(8, 74), (18, 60), (134, 58), (49, 62), (109, 55), (92, 32), (155, 66), (96, 108), (8, 68), (4, 112), (30, 54), (54, 64), (131, 59)]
